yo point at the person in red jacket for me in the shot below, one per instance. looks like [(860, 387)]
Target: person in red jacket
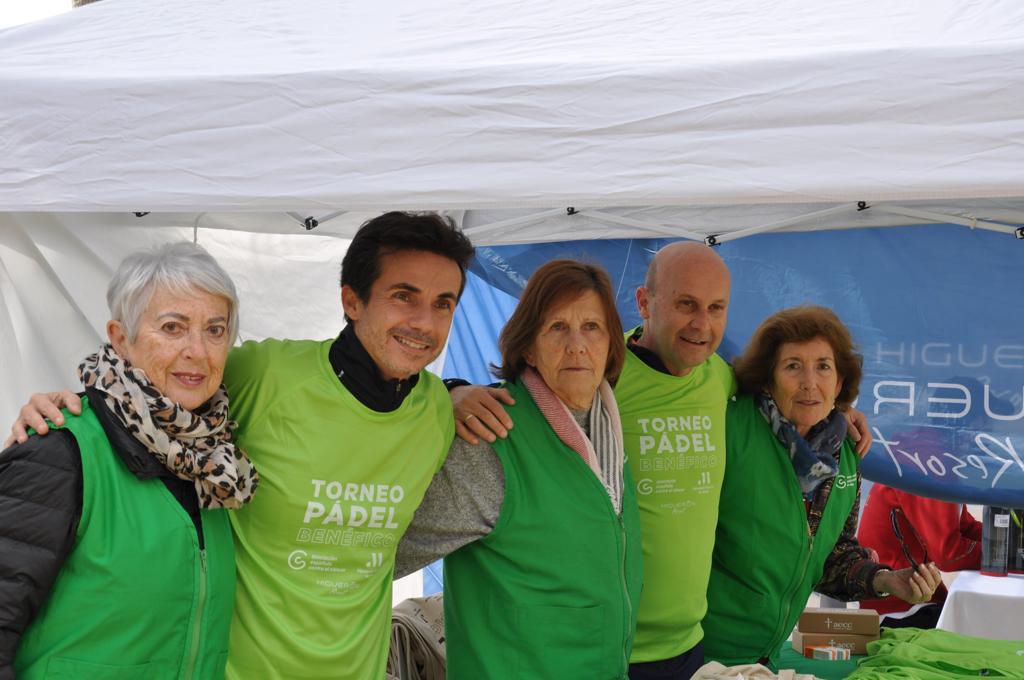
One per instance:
[(903, 528)]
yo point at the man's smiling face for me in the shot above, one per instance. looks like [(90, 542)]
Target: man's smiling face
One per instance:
[(686, 310), (405, 320)]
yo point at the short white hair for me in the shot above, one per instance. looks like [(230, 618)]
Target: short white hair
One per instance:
[(181, 267)]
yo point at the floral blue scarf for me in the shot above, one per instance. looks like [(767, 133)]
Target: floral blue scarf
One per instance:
[(813, 457)]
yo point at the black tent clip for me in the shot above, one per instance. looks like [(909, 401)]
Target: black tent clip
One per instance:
[(862, 205), (140, 214), (711, 240), (1019, 233), (571, 211), (311, 223)]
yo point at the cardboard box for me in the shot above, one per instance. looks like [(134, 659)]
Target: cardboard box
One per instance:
[(857, 644), (845, 621)]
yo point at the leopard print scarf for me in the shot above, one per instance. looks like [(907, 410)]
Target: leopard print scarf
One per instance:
[(194, 445)]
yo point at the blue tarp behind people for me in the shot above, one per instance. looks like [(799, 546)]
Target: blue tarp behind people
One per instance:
[(937, 312)]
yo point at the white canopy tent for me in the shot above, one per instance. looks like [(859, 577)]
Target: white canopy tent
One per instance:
[(126, 122)]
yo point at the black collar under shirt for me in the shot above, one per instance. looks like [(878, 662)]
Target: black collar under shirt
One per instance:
[(645, 355), (359, 374)]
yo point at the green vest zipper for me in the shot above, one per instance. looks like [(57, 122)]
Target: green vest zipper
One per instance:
[(753, 602), (535, 597), (197, 617)]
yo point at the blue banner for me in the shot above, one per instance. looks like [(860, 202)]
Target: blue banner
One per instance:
[(936, 311)]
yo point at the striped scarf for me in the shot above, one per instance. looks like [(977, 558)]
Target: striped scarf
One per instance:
[(603, 451)]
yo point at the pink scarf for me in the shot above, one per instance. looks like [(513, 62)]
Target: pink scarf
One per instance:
[(564, 425)]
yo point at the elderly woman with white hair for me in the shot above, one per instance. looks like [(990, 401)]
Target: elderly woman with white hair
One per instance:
[(117, 557)]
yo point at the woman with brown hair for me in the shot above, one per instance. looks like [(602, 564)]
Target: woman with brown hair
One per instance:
[(788, 518), (541, 529)]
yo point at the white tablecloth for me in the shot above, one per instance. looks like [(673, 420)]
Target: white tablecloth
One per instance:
[(985, 606)]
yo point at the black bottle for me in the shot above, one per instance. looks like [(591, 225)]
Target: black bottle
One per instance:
[(1015, 558), (995, 541)]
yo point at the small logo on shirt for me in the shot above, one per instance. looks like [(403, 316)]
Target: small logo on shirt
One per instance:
[(297, 560), (843, 481), (645, 487), (376, 560)]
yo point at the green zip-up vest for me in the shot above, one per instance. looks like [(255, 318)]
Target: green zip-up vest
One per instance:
[(136, 599), (765, 563), (551, 592)]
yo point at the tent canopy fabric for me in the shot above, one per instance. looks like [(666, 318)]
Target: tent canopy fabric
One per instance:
[(188, 105)]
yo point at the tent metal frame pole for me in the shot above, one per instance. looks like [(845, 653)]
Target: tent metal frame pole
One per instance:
[(715, 239), (942, 218), (512, 222), (195, 227), (641, 224), (782, 224), (309, 223)]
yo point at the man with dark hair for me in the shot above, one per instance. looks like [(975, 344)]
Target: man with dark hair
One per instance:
[(394, 231), (346, 434)]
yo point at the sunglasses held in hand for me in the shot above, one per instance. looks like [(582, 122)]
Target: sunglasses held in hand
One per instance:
[(910, 540)]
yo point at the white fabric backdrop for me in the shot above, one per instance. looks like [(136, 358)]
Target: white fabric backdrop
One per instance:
[(53, 280)]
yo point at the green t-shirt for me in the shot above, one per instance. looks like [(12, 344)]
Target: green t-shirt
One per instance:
[(674, 430), (339, 484), (939, 655)]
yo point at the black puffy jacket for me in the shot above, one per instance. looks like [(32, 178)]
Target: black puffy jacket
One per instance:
[(40, 507)]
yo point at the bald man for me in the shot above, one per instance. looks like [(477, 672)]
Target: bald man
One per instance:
[(672, 395)]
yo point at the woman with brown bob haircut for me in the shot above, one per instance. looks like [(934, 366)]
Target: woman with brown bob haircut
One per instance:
[(556, 282), (541, 529), (792, 485), (755, 367)]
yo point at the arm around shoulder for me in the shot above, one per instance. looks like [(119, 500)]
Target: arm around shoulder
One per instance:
[(40, 508), (461, 505)]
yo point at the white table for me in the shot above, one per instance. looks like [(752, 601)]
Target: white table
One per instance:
[(985, 606)]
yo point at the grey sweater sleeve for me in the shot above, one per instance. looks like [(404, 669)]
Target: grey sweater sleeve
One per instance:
[(460, 506)]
